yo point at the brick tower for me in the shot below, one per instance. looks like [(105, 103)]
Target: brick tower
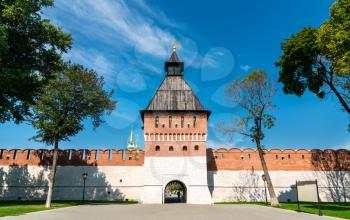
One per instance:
[(175, 132)]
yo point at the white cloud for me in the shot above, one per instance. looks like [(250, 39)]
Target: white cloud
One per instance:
[(93, 59), (342, 146), (158, 14), (218, 144), (245, 68), (121, 23)]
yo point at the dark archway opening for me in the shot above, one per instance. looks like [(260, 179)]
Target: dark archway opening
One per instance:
[(175, 192)]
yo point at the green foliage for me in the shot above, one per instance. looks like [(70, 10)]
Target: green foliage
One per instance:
[(72, 96), (30, 49), (334, 37), (254, 94), (175, 186), (297, 64), (318, 59)]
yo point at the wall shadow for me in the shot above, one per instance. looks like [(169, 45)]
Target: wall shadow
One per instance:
[(335, 166), (249, 189), (289, 195), (29, 182), (211, 170)]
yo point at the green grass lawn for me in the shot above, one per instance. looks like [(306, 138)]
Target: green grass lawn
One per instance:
[(340, 210), (20, 207)]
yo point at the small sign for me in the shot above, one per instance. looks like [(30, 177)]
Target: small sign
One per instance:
[(307, 191)]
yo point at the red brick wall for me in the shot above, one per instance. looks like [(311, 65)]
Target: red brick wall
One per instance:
[(220, 159), (72, 157), (180, 136), (289, 160)]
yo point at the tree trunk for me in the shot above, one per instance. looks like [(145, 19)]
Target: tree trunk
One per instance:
[(273, 198), (52, 175), (340, 98)]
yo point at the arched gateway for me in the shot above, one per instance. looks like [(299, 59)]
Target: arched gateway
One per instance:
[(175, 192), (175, 133)]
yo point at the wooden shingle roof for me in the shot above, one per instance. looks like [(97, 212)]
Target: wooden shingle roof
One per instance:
[(174, 94)]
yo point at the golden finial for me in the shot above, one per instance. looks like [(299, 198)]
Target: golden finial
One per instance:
[(175, 44)]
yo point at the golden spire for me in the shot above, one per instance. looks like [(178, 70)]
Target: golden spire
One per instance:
[(175, 44)]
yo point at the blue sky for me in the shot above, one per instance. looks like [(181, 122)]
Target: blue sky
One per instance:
[(127, 42)]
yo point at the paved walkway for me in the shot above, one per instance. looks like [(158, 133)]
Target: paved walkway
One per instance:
[(167, 212)]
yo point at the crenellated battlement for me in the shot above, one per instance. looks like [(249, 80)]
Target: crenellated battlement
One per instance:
[(72, 157), (217, 159), (277, 159)]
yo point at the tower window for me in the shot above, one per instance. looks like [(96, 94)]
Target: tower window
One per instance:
[(194, 121), (170, 120), (196, 147), (157, 148), (184, 148), (157, 121), (171, 148), (302, 157), (188, 125), (182, 121)]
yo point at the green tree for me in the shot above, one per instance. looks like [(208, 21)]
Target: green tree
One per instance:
[(254, 95), (30, 49), (69, 98), (318, 59)]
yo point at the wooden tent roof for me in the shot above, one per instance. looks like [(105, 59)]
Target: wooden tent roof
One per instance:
[(174, 93)]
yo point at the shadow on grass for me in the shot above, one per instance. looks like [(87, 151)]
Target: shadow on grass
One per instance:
[(335, 207)]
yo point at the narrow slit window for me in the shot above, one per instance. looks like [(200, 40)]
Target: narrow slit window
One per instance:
[(157, 121), (170, 120), (194, 121), (182, 121), (28, 155)]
